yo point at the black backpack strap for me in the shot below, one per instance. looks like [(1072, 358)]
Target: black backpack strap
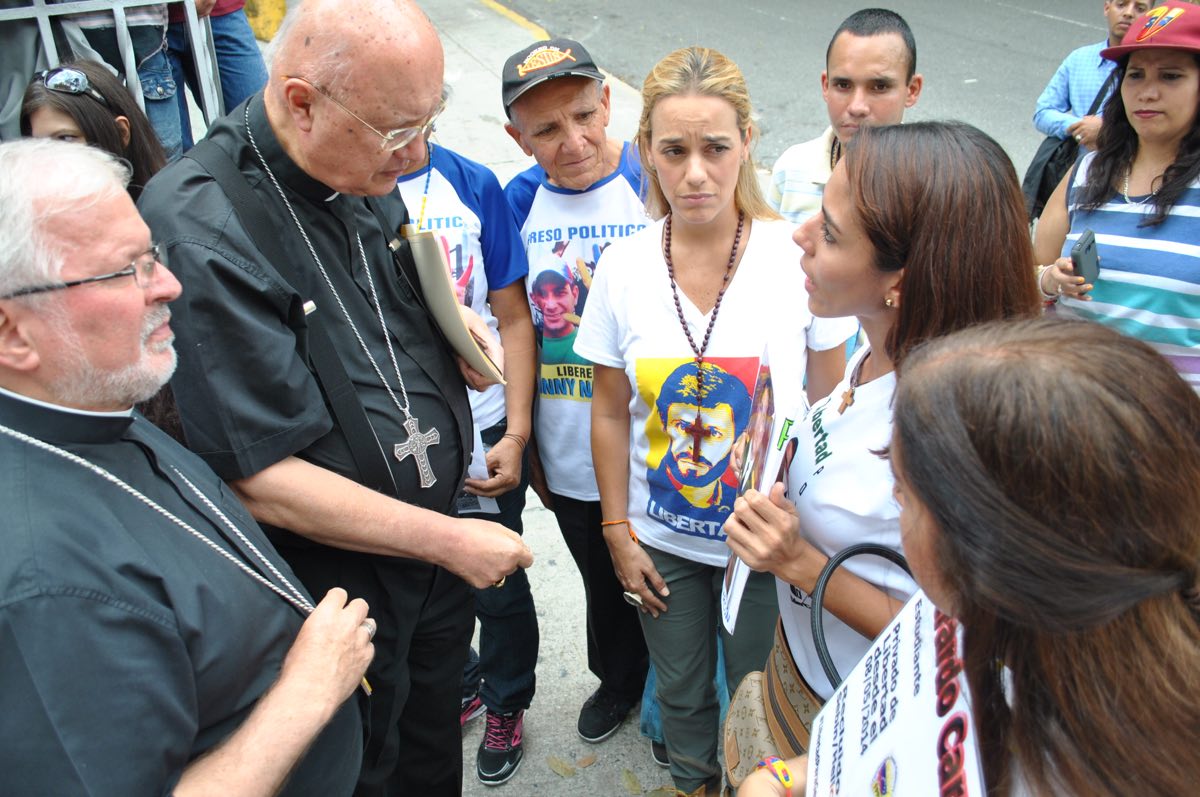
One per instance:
[(369, 456), (1100, 95)]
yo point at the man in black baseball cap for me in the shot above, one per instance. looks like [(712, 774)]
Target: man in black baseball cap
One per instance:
[(542, 61), (555, 88), (582, 194)]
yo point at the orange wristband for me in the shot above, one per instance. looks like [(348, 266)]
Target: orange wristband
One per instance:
[(632, 534)]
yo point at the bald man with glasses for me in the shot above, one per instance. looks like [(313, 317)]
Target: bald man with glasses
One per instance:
[(356, 493)]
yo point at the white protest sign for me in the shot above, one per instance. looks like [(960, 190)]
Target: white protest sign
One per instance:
[(901, 721)]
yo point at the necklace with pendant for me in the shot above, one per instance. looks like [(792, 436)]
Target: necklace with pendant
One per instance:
[(696, 429), (418, 442), (287, 591), (848, 394)]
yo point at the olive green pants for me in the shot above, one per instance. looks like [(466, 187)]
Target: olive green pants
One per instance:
[(683, 647)]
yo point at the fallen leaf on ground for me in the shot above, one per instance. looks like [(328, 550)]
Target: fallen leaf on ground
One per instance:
[(562, 768), (663, 791), (631, 782), (586, 761)]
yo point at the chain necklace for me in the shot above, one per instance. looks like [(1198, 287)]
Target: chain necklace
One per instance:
[(835, 152), (848, 394), (418, 442), (696, 429), (288, 592), (1125, 190)]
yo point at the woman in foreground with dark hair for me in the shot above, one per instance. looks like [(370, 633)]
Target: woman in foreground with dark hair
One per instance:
[(82, 101), (1139, 193), (922, 232), (1069, 551)]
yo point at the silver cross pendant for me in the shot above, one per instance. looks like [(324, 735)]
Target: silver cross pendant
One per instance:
[(416, 446)]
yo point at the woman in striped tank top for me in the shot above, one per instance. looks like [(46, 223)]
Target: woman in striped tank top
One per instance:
[(1139, 192)]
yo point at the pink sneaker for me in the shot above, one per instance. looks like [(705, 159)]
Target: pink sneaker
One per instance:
[(472, 707), (501, 751)]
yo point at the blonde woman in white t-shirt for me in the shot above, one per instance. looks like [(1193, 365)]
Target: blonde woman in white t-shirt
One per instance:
[(676, 321), (922, 232)]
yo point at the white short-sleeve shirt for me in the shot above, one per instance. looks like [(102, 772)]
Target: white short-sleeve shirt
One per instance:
[(679, 504)]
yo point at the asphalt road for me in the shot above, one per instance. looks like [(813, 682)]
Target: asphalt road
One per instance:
[(984, 61)]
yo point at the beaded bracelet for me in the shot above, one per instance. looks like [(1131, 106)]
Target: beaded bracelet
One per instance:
[(779, 769)]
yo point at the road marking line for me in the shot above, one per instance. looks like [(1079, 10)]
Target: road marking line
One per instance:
[(1044, 14), (538, 31)]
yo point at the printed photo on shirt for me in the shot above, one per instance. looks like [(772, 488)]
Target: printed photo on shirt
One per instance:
[(691, 485), (558, 290)]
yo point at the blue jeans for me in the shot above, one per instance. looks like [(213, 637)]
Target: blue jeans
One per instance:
[(239, 62), (154, 73), (508, 625), (651, 720)]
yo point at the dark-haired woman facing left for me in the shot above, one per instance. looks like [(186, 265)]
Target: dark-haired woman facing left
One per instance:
[(921, 233)]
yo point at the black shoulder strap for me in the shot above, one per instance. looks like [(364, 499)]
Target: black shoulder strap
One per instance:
[(395, 244), (1103, 92), (405, 267), (368, 454)]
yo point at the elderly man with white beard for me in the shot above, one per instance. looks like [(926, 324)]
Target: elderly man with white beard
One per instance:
[(151, 639)]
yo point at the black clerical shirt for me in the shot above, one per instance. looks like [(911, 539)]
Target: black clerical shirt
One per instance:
[(127, 647), (246, 395)]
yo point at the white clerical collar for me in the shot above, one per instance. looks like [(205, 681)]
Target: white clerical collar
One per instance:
[(60, 408)]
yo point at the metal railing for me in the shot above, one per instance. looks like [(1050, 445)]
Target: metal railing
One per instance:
[(199, 32)]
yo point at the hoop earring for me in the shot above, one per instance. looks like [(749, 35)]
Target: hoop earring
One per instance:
[(889, 302)]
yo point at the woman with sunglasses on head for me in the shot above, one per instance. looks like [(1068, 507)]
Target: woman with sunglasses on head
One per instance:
[(677, 319), (922, 232), (1068, 552), (1139, 194), (83, 101)]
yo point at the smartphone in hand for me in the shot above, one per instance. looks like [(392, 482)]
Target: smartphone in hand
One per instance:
[(1085, 259)]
